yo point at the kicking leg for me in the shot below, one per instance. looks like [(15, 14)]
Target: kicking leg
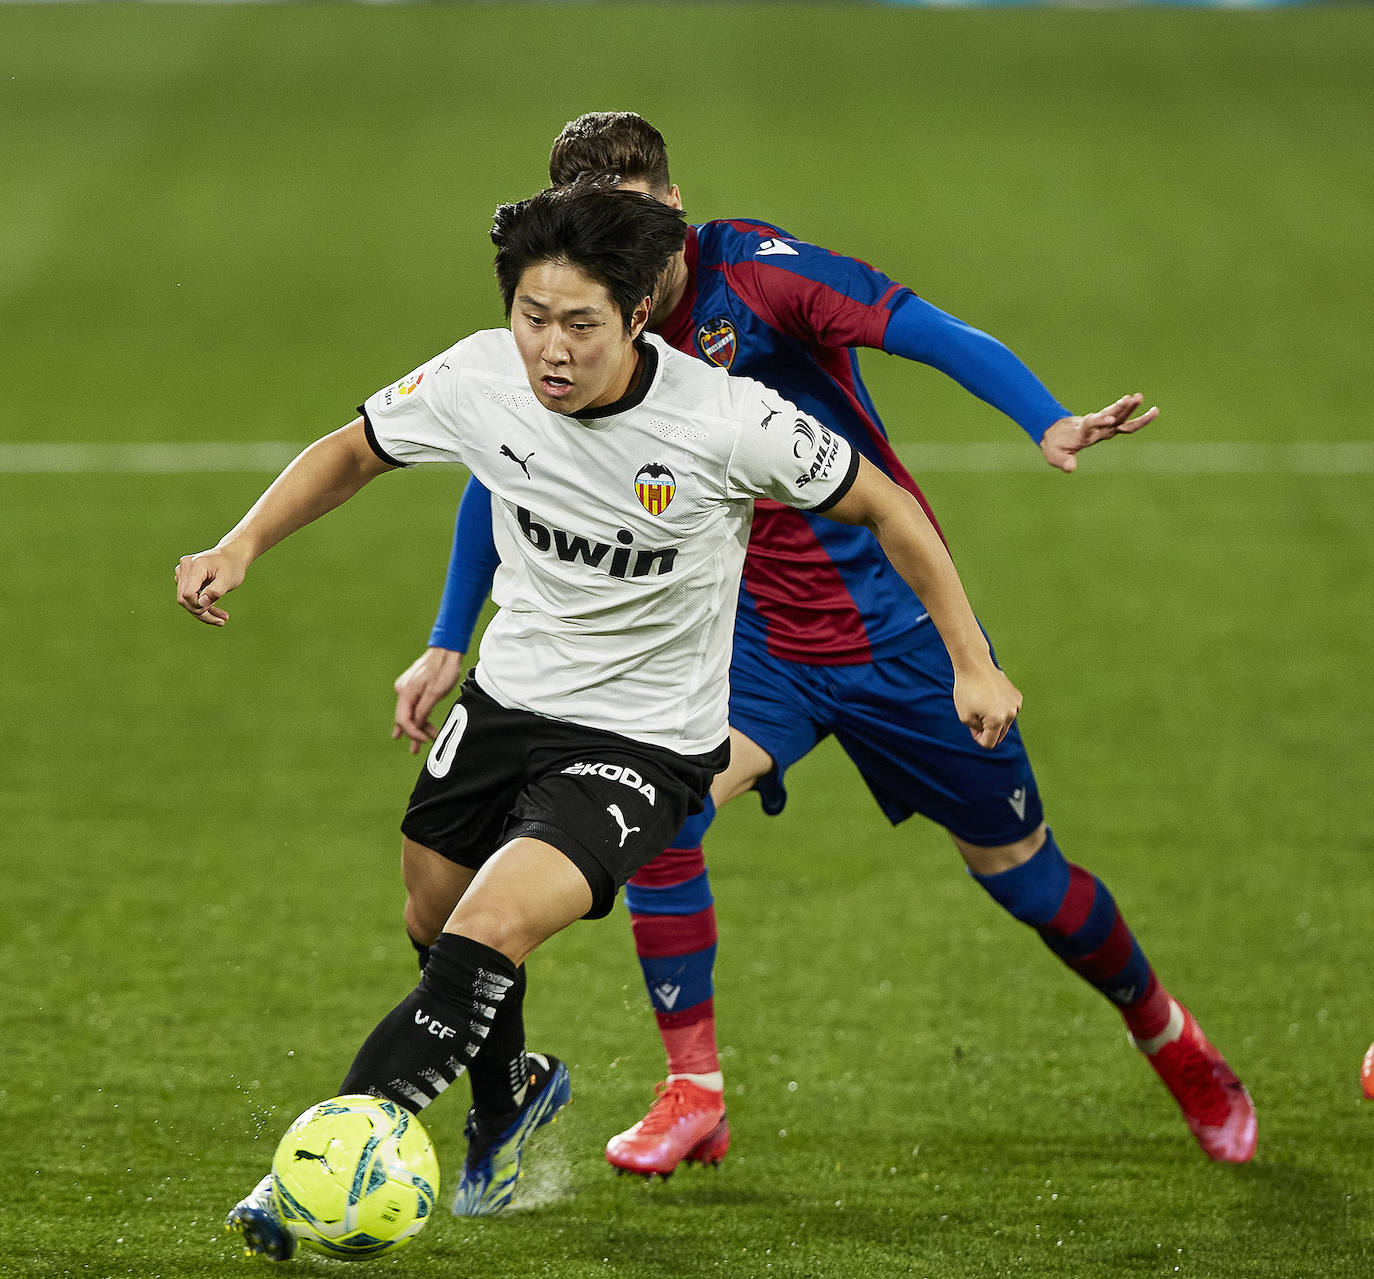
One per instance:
[(428, 1040), (1079, 921)]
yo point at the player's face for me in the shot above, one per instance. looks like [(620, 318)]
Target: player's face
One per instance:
[(572, 339)]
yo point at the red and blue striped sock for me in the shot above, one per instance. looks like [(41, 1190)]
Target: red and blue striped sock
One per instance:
[(1078, 919), (674, 920)]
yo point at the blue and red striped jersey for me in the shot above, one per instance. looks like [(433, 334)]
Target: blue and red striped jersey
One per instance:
[(788, 314)]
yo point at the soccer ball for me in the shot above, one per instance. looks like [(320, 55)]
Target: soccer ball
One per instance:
[(354, 1176)]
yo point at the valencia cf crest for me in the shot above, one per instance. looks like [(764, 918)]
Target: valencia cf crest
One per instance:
[(655, 486), (716, 339)]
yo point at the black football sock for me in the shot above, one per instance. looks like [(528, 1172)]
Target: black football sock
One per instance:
[(428, 1040), (500, 1074)]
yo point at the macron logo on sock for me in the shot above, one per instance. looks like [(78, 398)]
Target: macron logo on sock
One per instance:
[(667, 994)]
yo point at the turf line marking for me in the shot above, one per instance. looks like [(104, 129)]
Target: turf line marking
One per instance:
[(1142, 457), (145, 459), (1156, 458)]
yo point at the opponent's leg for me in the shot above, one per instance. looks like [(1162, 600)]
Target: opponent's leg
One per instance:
[(1079, 921), (674, 920)]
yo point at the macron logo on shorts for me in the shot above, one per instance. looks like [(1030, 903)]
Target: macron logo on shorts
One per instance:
[(615, 773)]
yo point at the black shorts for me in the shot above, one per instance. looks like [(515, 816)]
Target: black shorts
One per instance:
[(608, 803)]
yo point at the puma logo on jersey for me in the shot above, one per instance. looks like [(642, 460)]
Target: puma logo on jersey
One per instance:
[(772, 247), (621, 773), (626, 560), (519, 461), (772, 413), (626, 830)]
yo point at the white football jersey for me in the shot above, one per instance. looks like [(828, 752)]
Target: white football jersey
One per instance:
[(621, 532)]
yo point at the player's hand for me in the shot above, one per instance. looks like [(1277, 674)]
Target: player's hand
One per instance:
[(205, 578), (419, 689), (1069, 436), (987, 703)]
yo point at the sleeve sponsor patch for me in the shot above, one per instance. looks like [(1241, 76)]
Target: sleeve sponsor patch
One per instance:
[(815, 447)]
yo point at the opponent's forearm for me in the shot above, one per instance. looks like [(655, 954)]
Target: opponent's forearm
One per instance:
[(976, 360), (471, 566), (324, 476)]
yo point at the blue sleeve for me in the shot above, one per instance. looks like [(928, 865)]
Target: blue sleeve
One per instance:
[(471, 566), (979, 363)]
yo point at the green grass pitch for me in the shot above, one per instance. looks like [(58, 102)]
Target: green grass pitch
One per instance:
[(231, 224)]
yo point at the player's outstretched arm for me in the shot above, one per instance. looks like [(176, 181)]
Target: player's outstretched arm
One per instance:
[(1065, 439), (325, 475), (987, 701)]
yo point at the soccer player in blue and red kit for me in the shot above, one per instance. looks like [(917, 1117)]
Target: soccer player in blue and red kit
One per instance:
[(829, 640)]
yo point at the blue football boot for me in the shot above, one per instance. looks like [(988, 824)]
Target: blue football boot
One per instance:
[(263, 1234), (493, 1164)]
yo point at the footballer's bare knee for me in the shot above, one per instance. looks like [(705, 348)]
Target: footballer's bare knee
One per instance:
[(526, 891), (992, 860)]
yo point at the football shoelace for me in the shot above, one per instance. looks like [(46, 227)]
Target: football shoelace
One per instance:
[(673, 1103)]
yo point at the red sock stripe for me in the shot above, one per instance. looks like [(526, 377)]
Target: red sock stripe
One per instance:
[(663, 936), (689, 1017), (1102, 964), (690, 1040), (1077, 904), (671, 867), (1149, 1015)]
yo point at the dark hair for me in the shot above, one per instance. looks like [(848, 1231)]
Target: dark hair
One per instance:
[(621, 239), (606, 143)]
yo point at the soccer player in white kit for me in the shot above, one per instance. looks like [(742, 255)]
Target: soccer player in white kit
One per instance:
[(624, 474)]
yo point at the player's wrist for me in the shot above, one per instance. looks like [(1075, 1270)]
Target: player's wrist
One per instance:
[(239, 547), (973, 662)]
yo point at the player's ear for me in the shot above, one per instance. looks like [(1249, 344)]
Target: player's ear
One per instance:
[(674, 199), (640, 317)]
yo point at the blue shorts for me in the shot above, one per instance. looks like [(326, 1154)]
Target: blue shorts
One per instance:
[(895, 718)]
